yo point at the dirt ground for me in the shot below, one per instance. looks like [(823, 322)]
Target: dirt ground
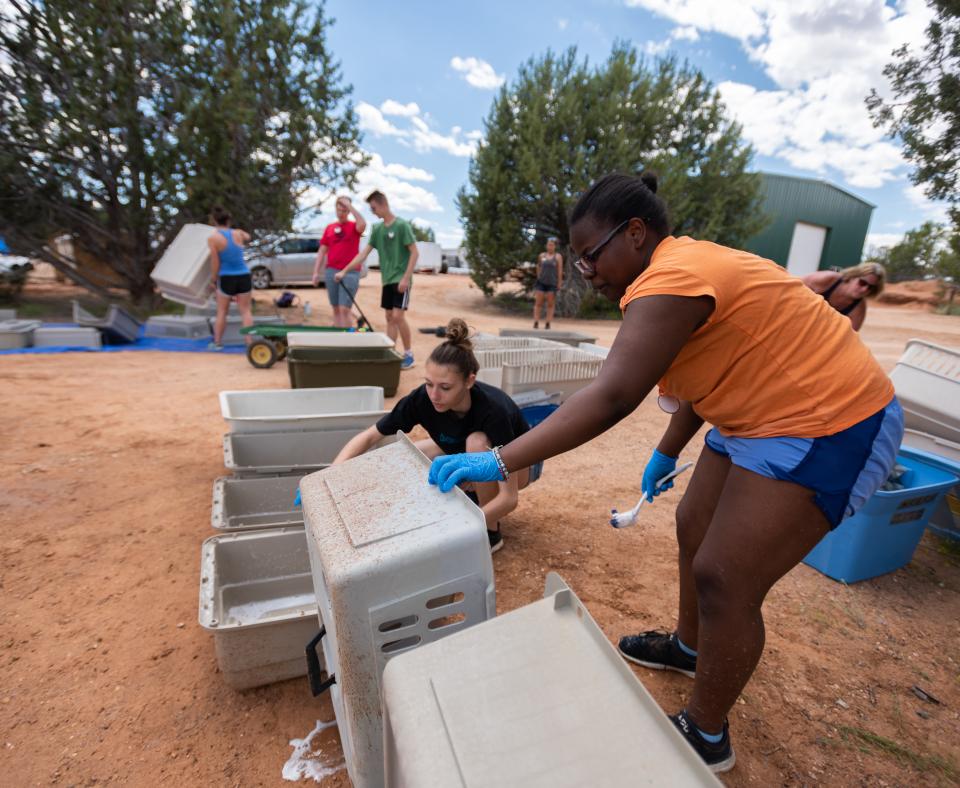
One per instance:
[(107, 461)]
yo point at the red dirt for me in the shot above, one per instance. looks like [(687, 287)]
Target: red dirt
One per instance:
[(922, 293), (108, 461)]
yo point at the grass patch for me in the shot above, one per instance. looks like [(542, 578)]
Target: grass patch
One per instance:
[(594, 306), (948, 309), (950, 549), (849, 609), (513, 302), (37, 310), (869, 742), (167, 308)]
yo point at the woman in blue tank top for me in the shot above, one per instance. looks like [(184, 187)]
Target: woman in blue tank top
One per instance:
[(231, 277)]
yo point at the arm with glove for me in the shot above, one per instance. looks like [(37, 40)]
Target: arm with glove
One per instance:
[(654, 330)]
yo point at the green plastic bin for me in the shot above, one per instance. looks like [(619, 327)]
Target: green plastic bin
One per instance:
[(322, 367)]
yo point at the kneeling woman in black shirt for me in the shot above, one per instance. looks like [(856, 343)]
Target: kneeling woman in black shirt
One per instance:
[(461, 415)]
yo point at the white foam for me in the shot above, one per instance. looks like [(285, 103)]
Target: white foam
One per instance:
[(304, 761)]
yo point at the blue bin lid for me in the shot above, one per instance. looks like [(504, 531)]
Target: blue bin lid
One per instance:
[(929, 473), (936, 460)]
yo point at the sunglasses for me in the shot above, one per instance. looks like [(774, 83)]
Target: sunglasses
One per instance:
[(869, 285), (587, 263)]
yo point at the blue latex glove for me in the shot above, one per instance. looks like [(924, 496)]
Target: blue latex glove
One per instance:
[(658, 467), (296, 498), (449, 470)]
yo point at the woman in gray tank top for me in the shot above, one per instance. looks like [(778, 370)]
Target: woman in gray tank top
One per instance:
[(549, 280)]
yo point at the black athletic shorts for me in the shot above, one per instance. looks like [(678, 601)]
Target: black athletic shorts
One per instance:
[(236, 284), (544, 288), (392, 298)]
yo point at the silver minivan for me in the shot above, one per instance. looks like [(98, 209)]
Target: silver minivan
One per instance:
[(287, 261)]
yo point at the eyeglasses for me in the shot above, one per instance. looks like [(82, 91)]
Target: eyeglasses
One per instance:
[(587, 263)]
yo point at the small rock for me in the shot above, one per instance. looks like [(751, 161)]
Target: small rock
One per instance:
[(842, 704), (180, 625)]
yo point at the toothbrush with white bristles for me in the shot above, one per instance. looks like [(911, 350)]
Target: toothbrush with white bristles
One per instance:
[(628, 518)]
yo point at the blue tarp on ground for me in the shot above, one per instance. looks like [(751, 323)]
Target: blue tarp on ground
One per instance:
[(168, 344)]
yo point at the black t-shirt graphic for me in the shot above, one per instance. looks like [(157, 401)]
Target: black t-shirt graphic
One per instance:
[(491, 412)]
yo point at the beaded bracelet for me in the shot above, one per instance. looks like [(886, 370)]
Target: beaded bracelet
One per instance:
[(500, 463)]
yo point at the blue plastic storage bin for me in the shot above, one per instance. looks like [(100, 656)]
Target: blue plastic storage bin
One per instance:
[(882, 536), (945, 520), (534, 414)]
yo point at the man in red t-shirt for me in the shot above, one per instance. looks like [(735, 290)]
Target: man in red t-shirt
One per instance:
[(339, 245)]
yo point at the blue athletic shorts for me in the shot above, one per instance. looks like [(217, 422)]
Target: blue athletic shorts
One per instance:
[(843, 470)]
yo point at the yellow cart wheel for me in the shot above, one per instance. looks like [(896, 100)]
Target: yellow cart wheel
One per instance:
[(262, 353)]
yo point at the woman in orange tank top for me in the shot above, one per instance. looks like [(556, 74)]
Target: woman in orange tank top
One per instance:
[(806, 428)]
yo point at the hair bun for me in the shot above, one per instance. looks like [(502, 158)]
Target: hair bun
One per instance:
[(458, 334), (649, 180)]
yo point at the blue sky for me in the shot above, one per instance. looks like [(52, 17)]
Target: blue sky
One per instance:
[(794, 73)]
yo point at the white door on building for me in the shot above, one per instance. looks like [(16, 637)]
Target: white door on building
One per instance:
[(806, 248)]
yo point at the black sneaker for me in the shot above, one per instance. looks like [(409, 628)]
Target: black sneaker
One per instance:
[(496, 540), (720, 756), (658, 650)]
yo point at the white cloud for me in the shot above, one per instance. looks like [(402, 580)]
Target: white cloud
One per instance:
[(685, 34), (562, 24), (391, 107), (419, 135), (392, 179), (372, 120), (811, 132), (425, 139), (655, 48), (449, 237), (478, 73), (824, 56), (407, 173), (737, 19), (933, 211), (880, 241)]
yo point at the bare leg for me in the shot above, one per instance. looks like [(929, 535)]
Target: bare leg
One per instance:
[(760, 530), (220, 323), (694, 514), (551, 303), (428, 447), (392, 328), (400, 320), (497, 499), (537, 306), (244, 304)]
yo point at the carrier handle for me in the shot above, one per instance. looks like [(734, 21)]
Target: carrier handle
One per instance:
[(317, 686)]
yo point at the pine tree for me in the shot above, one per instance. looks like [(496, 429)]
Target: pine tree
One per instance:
[(120, 120), (562, 124), (925, 111)]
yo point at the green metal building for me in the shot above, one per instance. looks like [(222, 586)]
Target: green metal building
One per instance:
[(813, 224)]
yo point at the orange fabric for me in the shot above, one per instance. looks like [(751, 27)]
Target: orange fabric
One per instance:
[(774, 359)]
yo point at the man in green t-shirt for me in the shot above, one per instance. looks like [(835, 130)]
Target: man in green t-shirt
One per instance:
[(395, 243)]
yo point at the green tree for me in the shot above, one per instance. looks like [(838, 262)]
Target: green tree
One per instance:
[(924, 112), (423, 233), (120, 120), (923, 251), (561, 124)]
